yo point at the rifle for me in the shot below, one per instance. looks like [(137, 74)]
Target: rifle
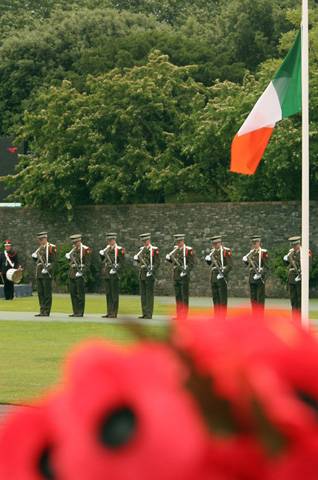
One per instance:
[(217, 266), (172, 256), (257, 271), (146, 265), (294, 266)]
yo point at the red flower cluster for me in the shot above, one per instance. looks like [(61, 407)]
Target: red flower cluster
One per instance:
[(223, 400)]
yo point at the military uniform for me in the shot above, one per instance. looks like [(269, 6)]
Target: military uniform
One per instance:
[(182, 258), (257, 261), (148, 260), (112, 259), (293, 261), (44, 258), (8, 260), (220, 259), (79, 258)]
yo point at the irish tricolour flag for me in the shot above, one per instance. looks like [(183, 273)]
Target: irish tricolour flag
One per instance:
[(281, 99)]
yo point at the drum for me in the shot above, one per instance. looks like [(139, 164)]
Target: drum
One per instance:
[(14, 275)]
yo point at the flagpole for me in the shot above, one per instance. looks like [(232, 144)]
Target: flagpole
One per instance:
[(305, 168)]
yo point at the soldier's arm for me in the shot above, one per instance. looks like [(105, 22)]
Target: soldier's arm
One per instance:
[(265, 262), (286, 259), (228, 261), (190, 259), (52, 253), (87, 256), (156, 259), (168, 258), (120, 257), (245, 259)]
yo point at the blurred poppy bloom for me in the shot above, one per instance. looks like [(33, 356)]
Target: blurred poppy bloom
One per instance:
[(27, 443), (127, 417)]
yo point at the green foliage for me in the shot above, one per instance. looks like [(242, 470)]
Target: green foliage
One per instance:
[(277, 266), (140, 102)]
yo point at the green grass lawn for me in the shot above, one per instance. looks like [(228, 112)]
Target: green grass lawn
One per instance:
[(94, 304), (32, 353)]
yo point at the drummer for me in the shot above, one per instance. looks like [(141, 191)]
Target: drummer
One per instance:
[(8, 260)]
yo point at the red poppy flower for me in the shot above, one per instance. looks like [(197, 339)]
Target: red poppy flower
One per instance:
[(128, 416), (258, 363), (27, 444), (300, 461)]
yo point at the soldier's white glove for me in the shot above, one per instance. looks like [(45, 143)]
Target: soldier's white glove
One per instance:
[(136, 258), (149, 274), (168, 257), (244, 259), (286, 258), (112, 271), (208, 258), (260, 269), (78, 274), (34, 255), (68, 256), (219, 276), (102, 253)]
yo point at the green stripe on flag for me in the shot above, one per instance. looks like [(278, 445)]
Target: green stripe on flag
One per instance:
[(287, 80)]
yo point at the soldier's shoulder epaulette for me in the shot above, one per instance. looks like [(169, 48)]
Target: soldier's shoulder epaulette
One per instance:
[(189, 248), (119, 247), (52, 245), (264, 250), (226, 248), (227, 251), (154, 247), (87, 249)]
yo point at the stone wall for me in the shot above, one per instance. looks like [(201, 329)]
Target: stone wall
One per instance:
[(275, 221)]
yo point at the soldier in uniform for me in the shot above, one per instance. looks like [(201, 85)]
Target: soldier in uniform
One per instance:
[(257, 261), (44, 258), (112, 258), (8, 260), (182, 258), (79, 258), (293, 261), (148, 261), (220, 259)]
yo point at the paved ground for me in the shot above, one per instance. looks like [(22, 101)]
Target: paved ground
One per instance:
[(195, 302), (89, 318)]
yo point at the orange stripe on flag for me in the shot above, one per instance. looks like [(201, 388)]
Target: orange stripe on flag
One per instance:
[(247, 150)]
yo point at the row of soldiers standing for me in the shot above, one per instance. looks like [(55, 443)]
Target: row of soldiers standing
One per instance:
[(147, 259)]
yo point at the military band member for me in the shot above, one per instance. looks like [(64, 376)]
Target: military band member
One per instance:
[(112, 257), (293, 261), (220, 260), (257, 262), (182, 259), (148, 261), (8, 260), (44, 258), (79, 259)]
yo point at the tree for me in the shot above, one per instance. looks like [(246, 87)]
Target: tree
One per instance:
[(116, 138)]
